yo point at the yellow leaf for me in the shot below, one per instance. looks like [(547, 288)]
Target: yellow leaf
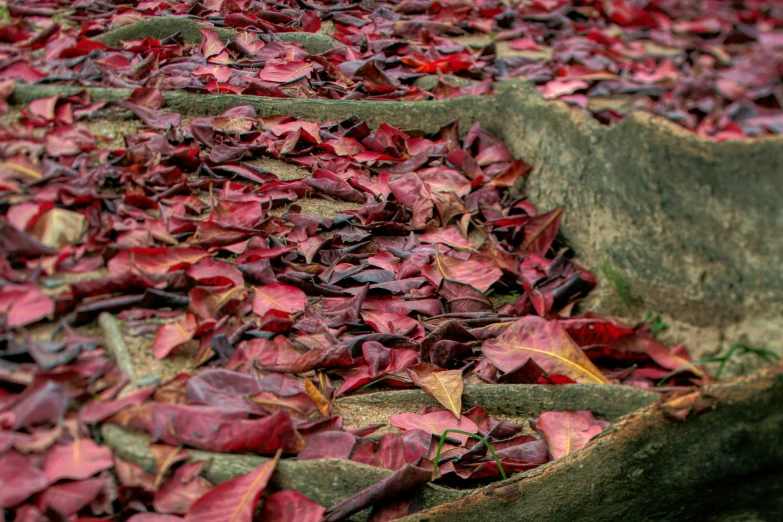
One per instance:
[(446, 387), (318, 398)]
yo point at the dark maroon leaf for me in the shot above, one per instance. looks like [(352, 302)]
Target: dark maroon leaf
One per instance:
[(402, 481), (328, 445)]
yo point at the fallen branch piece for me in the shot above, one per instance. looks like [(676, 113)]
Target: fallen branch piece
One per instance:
[(114, 342)]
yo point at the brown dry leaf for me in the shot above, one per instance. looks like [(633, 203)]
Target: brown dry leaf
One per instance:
[(318, 398), (59, 227), (446, 386)]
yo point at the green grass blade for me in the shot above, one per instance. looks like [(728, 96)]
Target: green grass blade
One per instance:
[(479, 437)]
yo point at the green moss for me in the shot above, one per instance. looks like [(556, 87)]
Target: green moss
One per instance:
[(621, 285), (504, 299)]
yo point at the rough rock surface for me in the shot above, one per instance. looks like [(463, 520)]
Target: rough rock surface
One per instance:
[(725, 460)]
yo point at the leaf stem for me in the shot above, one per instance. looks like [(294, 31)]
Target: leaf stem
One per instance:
[(479, 437)]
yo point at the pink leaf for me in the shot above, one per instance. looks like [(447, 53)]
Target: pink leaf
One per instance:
[(23, 304), (435, 423), (172, 335), (278, 297), (19, 479), (80, 459), (547, 344), (568, 431)]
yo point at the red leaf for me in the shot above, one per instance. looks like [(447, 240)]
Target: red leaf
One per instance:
[(172, 335), (212, 45), (540, 231), (149, 97), (98, 411), (227, 389), (462, 298), (343, 146), (283, 298), (311, 23), (568, 431), (310, 130), (80, 459), (435, 423), (546, 343), (153, 261), (178, 492), (284, 72), (23, 304), (41, 403), (396, 324), (447, 236), (19, 479), (401, 482), (154, 517), (210, 302), (328, 445), (234, 500), (213, 429), (69, 497), (476, 271), (290, 506), (558, 88)]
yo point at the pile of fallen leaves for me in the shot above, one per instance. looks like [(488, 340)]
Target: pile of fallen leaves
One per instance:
[(431, 274), (289, 311), (714, 66)]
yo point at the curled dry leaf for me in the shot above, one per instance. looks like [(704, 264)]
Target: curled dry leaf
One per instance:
[(323, 405)]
